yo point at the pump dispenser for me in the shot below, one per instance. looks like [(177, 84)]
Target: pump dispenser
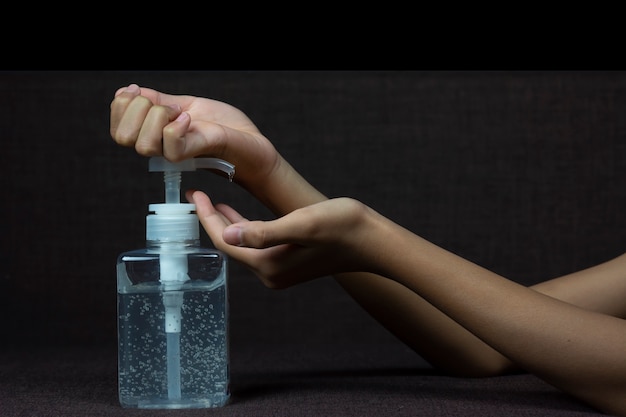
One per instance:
[(173, 306)]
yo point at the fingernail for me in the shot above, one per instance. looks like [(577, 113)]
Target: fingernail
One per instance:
[(232, 235), (133, 88), (182, 117)]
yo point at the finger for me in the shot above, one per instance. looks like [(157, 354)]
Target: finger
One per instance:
[(230, 213), (277, 267), (204, 138), (150, 136), (214, 224), (154, 96), (175, 143), (212, 221), (288, 229), (185, 138), (119, 105), (130, 107)]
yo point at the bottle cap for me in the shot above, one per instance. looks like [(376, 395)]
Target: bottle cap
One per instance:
[(172, 222)]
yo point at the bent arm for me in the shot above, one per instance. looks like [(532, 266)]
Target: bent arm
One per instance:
[(423, 326), (452, 348), (430, 330), (438, 303), (577, 350), (414, 321)]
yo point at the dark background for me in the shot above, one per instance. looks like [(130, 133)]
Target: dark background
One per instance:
[(520, 172)]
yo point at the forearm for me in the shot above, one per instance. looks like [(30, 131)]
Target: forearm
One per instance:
[(422, 327), (434, 336), (449, 346), (575, 349), (600, 288), (285, 190)]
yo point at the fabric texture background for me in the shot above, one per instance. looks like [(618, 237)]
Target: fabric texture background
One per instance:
[(520, 172)]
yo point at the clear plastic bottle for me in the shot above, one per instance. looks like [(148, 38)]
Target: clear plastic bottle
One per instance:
[(173, 314)]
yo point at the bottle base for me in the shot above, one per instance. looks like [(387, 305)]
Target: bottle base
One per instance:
[(158, 403)]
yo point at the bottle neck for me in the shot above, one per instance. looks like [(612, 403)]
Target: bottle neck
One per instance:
[(173, 244)]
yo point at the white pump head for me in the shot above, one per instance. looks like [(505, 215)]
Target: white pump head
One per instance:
[(174, 221), (171, 172)]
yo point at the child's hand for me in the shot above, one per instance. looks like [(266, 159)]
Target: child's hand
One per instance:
[(318, 240), (182, 127)]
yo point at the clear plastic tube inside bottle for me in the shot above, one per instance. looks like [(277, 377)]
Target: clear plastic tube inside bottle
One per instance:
[(173, 366)]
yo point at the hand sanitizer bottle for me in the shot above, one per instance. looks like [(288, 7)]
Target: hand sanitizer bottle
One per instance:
[(173, 307)]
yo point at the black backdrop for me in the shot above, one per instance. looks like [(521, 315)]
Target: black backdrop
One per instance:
[(520, 172)]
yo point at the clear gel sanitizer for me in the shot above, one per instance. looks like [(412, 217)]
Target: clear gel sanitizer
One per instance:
[(173, 307)]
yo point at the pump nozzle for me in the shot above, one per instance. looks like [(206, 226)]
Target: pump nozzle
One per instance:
[(172, 177), (159, 163)]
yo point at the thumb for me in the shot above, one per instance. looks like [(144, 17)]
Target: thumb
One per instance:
[(233, 235)]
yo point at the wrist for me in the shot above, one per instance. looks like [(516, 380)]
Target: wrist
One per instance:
[(387, 249), (368, 237), (284, 189)]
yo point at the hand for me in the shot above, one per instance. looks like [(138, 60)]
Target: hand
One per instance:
[(182, 127), (318, 240)]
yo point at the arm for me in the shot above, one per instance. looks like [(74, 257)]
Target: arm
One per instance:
[(577, 350), (450, 347), (601, 288), (181, 127)]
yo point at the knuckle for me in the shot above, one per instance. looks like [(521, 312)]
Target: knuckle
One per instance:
[(159, 114), (141, 101), (123, 139), (147, 148), (255, 236), (261, 237), (170, 132)]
